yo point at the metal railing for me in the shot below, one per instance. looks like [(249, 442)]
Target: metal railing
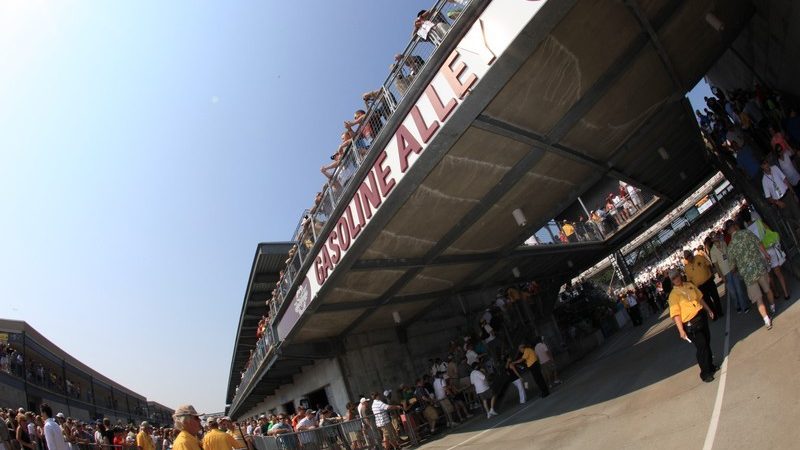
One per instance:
[(599, 226), (264, 347), (363, 131), (350, 435)]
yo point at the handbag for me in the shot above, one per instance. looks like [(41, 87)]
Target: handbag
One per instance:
[(769, 237)]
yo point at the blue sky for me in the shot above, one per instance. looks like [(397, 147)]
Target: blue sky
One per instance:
[(147, 147)]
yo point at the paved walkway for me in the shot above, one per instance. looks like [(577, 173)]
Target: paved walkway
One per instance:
[(643, 390)]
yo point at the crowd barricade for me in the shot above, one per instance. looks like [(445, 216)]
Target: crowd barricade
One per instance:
[(355, 434)]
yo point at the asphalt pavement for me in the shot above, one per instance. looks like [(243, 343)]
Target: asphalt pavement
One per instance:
[(642, 389)]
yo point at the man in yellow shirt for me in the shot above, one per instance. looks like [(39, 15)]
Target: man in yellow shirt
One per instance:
[(187, 421), (216, 439), (527, 355), (699, 272), (689, 312), (143, 439)]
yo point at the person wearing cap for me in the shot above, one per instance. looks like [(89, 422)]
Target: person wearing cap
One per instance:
[(187, 421), (143, 439), (226, 425), (748, 256), (216, 439), (53, 435), (690, 313)]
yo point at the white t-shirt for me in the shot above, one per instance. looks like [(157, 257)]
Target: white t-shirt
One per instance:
[(438, 388), (787, 167), (472, 357), (774, 183), (478, 379), (541, 352)]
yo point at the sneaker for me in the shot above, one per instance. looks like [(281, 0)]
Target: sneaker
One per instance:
[(488, 415), (768, 323), (708, 378), (747, 310), (493, 412), (773, 309)]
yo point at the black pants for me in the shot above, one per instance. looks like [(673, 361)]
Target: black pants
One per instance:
[(700, 335), (636, 315), (536, 372), (711, 296)]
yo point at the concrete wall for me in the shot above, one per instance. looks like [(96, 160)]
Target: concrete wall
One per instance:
[(12, 396), (769, 45), (323, 374), (378, 360)]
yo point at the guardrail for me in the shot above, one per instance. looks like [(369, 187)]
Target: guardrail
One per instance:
[(364, 128), (357, 142), (263, 350)]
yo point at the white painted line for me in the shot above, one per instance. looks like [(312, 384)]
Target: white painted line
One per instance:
[(524, 408), (723, 377)]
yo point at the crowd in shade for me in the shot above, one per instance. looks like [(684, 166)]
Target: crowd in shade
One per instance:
[(760, 130), (43, 430), (355, 142), (470, 377)]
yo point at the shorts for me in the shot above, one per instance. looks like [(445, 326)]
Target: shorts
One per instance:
[(754, 291), (486, 395), (446, 405), (389, 433)]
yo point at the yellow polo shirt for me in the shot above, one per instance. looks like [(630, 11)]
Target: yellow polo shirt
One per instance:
[(218, 440), (186, 441), (529, 356), (568, 229), (684, 301), (144, 441), (698, 271)]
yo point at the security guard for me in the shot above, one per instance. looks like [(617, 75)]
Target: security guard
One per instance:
[(691, 313)]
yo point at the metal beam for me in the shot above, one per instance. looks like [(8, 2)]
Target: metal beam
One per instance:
[(559, 130), (502, 128), (647, 27), (446, 260)]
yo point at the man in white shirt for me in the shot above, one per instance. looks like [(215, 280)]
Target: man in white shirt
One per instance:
[(777, 191), (484, 391), (547, 362), (440, 393), (52, 430), (384, 422)]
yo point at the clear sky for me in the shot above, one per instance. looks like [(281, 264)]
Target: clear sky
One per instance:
[(146, 148)]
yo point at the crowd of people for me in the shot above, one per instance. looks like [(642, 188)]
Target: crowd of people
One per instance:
[(759, 129), (355, 141), (475, 371), (617, 208), (43, 430), (13, 362)]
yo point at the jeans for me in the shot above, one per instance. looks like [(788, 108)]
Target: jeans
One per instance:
[(734, 287)]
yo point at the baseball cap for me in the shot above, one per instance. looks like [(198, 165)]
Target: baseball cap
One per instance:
[(60, 415), (363, 400), (144, 425)]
